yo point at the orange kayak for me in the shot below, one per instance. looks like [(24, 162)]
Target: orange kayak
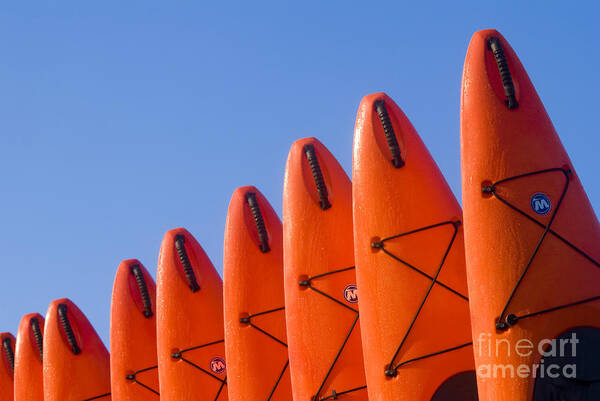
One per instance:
[(28, 359), (533, 260), (410, 264), (255, 336), (133, 362), (7, 367), (323, 330), (189, 320), (76, 362)]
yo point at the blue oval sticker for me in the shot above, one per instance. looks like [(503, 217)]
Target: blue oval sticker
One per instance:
[(540, 203)]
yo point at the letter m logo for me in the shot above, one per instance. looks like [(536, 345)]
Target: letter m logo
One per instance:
[(351, 293)]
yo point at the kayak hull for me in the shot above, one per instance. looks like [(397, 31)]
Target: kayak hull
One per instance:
[(531, 234), (255, 333)]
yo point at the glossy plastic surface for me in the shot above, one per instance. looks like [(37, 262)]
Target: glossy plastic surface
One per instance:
[(408, 232), (320, 283), (6, 367), (524, 205), (28, 359), (133, 364), (191, 353), (73, 370), (255, 336)]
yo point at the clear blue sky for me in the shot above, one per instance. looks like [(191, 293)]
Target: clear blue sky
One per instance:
[(121, 120)]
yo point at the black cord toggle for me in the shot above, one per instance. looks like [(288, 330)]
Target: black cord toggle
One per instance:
[(388, 130), (132, 377), (511, 319), (34, 323), (66, 324), (185, 262), (136, 270), (501, 326), (507, 81), (315, 168), (10, 352), (259, 221)]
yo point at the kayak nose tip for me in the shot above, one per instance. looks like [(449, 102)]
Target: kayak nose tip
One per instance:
[(67, 316), (249, 205), (171, 234), (240, 192), (317, 172), (127, 264), (36, 328), (483, 34), (380, 117), (31, 327), (381, 109), (173, 238), (309, 159), (480, 39), (7, 341), (371, 98), (492, 64), (66, 301), (367, 105), (179, 244), (480, 42), (299, 145), (253, 203), (136, 275)]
